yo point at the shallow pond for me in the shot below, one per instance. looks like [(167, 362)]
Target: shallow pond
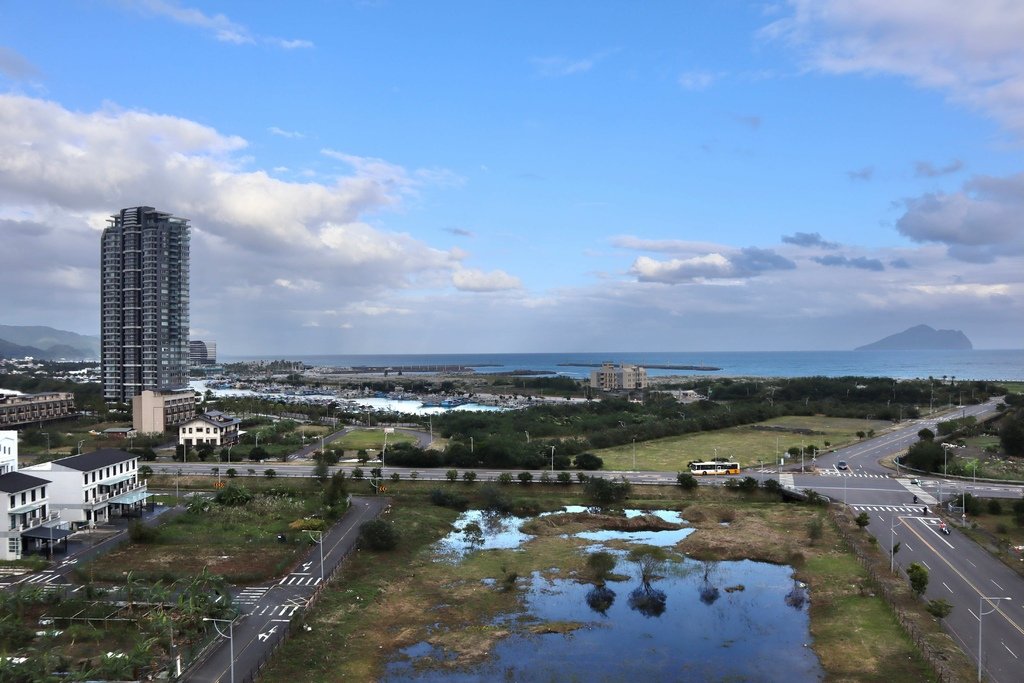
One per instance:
[(699, 621)]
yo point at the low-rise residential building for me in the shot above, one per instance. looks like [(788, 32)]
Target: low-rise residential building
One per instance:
[(154, 411), (8, 450), (624, 377), (120, 433), (214, 427), (87, 489), (26, 517), (24, 409)]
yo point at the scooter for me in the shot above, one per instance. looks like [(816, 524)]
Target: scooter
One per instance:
[(944, 529), (924, 511), (915, 500)]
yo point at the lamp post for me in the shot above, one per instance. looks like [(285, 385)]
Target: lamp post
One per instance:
[(47, 435), (472, 449), (231, 639), (527, 437), (892, 543), (634, 454), (945, 453), (320, 541), (80, 446), (981, 602)]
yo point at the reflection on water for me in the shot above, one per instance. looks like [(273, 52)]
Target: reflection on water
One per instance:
[(693, 621)]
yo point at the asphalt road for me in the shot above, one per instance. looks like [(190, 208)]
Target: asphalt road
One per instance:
[(266, 609)]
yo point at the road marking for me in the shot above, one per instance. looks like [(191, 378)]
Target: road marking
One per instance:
[(266, 636), (997, 585), (947, 587), (926, 565), (971, 563), (1010, 651)]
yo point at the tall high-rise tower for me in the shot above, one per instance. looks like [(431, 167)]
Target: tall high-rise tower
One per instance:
[(144, 303)]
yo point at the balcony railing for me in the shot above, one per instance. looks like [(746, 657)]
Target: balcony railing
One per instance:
[(36, 521)]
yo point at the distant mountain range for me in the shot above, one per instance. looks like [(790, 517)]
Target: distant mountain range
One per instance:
[(46, 343), (921, 338)]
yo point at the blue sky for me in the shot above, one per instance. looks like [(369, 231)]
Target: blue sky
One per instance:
[(408, 177)]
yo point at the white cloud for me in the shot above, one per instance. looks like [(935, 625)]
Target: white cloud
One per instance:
[(469, 280), (555, 67), (219, 25), (14, 65), (972, 51), (696, 80), (300, 285), (285, 133)]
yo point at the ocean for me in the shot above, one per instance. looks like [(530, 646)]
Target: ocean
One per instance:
[(966, 365)]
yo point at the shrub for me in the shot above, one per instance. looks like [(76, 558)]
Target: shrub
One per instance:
[(815, 529), (995, 507), (395, 476), (234, 495), (269, 474), (451, 475), (772, 485), (494, 499), (601, 565), (687, 481), (604, 491), (747, 484), (939, 609), (357, 473), (448, 499), (469, 476), (524, 478), (564, 478), (505, 478), (231, 472), (588, 461), (545, 477), (378, 535), (140, 533), (862, 520)]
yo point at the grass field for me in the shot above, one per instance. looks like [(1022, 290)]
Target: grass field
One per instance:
[(383, 602), (369, 438), (749, 444)]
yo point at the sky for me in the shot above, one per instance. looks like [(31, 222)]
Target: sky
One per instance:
[(396, 176)]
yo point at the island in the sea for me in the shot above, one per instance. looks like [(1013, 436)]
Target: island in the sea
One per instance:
[(921, 338)]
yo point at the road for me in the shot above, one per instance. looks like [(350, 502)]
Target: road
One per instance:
[(266, 609)]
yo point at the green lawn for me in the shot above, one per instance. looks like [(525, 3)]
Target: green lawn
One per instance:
[(369, 438), (747, 444)]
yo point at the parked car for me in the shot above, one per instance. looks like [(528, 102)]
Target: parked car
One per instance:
[(841, 465)]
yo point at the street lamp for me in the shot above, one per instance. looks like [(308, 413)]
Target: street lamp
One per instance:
[(471, 447), (231, 639), (552, 458), (47, 435), (319, 540), (981, 602), (634, 454), (945, 453), (80, 446), (527, 437)]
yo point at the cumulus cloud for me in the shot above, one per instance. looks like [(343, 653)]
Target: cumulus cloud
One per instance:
[(971, 51), (744, 263), (979, 223), (809, 239), (844, 262), (469, 280), (925, 169), (219, 25)]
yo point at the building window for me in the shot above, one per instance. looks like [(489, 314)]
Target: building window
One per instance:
[(13, 545)]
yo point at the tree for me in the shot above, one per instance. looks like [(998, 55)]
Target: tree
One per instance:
[(926, 435), (231, 472), (649, 560), (145, 471), (563, 478), (862, 520), (687, 481), (918, 576), (469, 476), (269, 474), (378, 534), (600, 565), (605, 492), (451, 475), (258, 454), (321, 471), (524, 478), (815, 529)]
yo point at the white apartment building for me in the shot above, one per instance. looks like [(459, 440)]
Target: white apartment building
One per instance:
[(213, 427), (624, 377), (8, 450), (85, 489), (26, 518)]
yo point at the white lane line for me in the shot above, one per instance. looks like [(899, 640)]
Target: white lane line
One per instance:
[(997, 585), (947, 587), (972, 613), (971, 563), (909, 548), (926, 565), (1010, 651)]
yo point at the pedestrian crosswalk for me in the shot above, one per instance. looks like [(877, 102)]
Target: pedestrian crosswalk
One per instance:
[(287, 610), (42, 578), (300, 580), (906, 509), (251, 595), (837, 473)]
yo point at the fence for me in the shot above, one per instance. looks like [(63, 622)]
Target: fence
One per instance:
[(882, 580)]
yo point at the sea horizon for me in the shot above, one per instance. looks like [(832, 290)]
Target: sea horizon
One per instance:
[(976, 364)]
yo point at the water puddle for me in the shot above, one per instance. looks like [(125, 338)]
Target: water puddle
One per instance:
[(690, 620)]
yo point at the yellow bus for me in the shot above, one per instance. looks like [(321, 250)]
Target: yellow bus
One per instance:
[(714, 467)]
